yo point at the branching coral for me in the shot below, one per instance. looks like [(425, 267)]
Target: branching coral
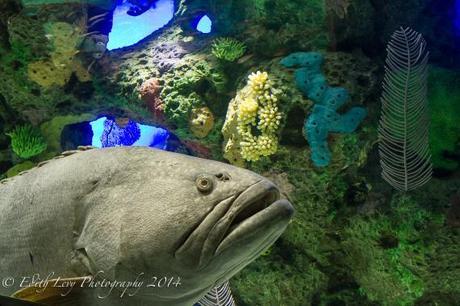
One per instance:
[(27, 141), (253, 121), (228, 49)]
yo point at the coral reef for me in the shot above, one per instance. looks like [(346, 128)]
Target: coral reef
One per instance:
[(123, 132), (338, 7), (353, 240), (337, 253), (182, 93), (254, 108), (228, 49), (201, 121), (26, 44), (52, 129), (198, 149), (300, 268), (453, 214), (27, 141), (150, 59), (45, 74), (445, 114), (381, 253), (324, 118), (357, 73), (149, 92), (268, 33), (65, 39)]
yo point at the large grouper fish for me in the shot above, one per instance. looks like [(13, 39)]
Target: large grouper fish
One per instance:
[(104, 218)]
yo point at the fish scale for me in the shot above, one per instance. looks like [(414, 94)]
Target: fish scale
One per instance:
[(129, 212)]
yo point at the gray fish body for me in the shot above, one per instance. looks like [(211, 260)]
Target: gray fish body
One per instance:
[(129, 214)]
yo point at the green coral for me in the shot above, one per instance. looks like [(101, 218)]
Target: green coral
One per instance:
[(444, 91), (228, 49), (269, 33), (178, 107), (296, 269), (188, 87), (27, 141), (388, 255)]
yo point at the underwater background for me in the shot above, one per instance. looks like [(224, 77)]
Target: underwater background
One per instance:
[(336, 101)]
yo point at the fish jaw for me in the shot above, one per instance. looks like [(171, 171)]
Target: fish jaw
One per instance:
[(272, 219), (259, 219), (256, 218)]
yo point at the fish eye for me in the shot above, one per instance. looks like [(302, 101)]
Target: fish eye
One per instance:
[(204, 183)]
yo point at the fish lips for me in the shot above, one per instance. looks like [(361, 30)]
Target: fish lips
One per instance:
[(265, 225), (255, 218)]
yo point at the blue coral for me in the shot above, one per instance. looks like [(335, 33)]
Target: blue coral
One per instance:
[(115, 135), (324, 118)]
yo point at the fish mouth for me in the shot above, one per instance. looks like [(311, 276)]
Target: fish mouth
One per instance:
[(256, 217), (257, 214)]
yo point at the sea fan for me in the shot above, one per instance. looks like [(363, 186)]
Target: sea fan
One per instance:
[(219, 296), (404, 124)]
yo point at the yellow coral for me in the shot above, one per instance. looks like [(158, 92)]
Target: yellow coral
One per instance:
[(252, 147), (249, 149), (248, 111), (62, 63), (201, 122), (232, 152), (269, 119), (253, 120), (259, 82), (46, 74), (65, 38)]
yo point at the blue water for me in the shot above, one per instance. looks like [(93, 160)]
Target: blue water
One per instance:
[(128, 30), (204, 25), (106, 133), (457, 18)]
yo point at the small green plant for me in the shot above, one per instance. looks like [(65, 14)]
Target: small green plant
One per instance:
[(27, 141), (228, 49)]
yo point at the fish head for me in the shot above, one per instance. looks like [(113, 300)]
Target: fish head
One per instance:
[(194, 220)]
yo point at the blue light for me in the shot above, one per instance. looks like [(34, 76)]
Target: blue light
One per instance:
[(129, 30), (457, 17), (204, 25), (107, 133)]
